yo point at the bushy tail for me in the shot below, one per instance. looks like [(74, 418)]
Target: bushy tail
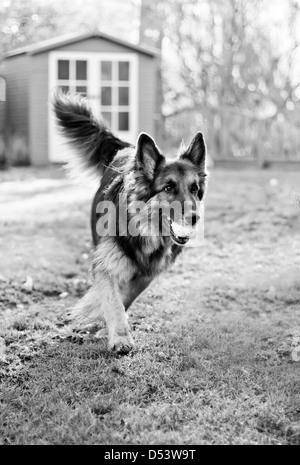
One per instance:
[(96, 145)]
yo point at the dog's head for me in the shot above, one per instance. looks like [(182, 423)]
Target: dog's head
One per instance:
[(172, 189)]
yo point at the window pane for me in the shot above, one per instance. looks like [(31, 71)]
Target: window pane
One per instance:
[(81, 90), (106, 70), (123, 71), (64, 89), (63, 69), (106, 96), (106, 116), (81, 70), (123, 95), (123, 121)]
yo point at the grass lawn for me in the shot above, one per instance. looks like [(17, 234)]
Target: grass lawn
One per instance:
[(216, 336)]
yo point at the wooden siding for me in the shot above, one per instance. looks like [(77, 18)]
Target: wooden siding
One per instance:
[(2, 106), (38, 113), (16, 72), (2, 118)]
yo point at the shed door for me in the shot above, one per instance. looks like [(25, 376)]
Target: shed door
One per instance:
[(109, 81)]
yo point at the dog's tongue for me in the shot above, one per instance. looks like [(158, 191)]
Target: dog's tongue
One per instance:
[(181, 229)]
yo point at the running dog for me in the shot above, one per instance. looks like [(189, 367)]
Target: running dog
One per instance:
[(126, 261)]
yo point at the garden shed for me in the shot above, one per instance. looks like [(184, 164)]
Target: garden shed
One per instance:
[(118, 78)]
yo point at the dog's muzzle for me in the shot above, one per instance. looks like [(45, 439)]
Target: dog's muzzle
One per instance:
[(181, 232)]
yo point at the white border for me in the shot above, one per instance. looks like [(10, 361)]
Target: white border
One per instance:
[(93, 69)]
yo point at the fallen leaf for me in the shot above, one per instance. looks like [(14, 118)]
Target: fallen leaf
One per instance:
[(28, 285), (63, 295)]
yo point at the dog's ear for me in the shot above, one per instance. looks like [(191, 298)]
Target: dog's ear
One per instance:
[(196, 152), (148, 156)]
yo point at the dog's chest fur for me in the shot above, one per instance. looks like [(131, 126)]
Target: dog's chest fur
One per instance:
[(110, 256)]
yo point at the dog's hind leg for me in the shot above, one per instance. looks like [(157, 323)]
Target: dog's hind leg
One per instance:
[(88, 309)]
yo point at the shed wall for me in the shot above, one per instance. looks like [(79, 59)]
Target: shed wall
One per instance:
[(38, 111), (16, 72), (28, 93)]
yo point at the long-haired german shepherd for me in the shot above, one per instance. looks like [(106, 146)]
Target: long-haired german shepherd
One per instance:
[(124, 264)]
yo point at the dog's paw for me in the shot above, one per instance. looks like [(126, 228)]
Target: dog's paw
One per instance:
[(121, 344)]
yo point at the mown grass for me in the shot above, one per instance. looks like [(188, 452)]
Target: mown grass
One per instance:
[(214, 336)]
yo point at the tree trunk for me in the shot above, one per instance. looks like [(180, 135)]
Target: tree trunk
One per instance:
[(151, 33)]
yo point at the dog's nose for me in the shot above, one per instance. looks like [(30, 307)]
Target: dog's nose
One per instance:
[(195, 218)]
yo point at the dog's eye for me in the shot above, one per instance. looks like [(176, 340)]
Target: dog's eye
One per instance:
[(194, 189), (169, 188)]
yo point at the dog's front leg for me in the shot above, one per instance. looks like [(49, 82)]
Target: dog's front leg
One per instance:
[(119, 337), (103, 301)]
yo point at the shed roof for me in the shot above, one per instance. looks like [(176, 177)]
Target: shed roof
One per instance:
[(52, 44)]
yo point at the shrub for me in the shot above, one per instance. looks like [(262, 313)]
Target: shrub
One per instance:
[(18, 153)]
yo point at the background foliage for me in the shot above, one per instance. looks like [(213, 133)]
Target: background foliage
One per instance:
[(229, 67)]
